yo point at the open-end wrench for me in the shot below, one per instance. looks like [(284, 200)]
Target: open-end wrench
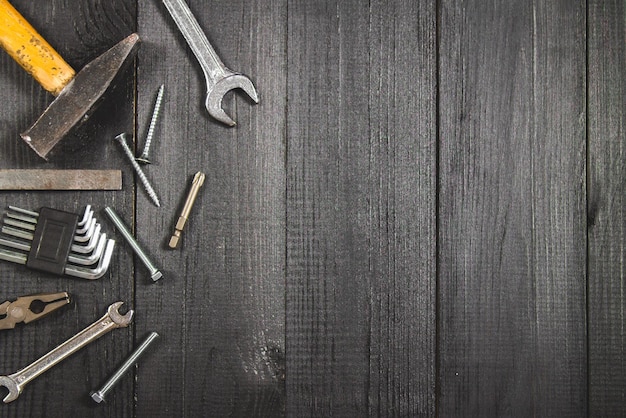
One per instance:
[(219, 79), (112, 319)]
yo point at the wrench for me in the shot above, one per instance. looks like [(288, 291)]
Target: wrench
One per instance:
[(112, 319), (219, 79)]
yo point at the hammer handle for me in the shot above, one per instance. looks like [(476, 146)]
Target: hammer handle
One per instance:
[(31, 50)]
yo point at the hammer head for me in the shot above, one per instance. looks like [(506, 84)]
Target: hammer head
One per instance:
[(79, 98)]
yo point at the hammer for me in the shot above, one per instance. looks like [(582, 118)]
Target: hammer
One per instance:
[(76, 93)]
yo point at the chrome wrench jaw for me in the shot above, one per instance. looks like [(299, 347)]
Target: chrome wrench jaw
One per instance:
[(214, 97), (12, 386), (111, 320), (219, 78)]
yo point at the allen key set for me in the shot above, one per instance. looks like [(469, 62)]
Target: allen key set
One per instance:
[(56, 242)]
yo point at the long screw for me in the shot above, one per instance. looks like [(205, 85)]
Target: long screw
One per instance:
[(98, 395), (143, 158), (121, 138), (155, 274)]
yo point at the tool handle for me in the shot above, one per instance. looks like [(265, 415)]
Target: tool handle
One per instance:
[(31, 51)]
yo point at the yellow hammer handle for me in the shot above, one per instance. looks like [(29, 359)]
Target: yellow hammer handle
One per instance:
[(31, 51)]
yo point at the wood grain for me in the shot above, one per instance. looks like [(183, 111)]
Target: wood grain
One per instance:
[(64, 390), (512, 209), (220, 306), (423, 216), (360, 209), (607, 239)]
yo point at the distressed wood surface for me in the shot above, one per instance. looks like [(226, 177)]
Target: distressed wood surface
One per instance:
[(79, 34), (361, 209), (220, 306), (512, 251), (607, 237), (421, 217)]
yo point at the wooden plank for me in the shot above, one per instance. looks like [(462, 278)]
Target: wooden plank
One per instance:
[(607, 236), (512, 209), (360, 209), (220, 306), (80, 33)]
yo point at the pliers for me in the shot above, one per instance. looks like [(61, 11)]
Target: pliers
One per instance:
[(29, 308)]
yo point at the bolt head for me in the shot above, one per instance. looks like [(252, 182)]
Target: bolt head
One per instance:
[(156, 275), (97, 396)]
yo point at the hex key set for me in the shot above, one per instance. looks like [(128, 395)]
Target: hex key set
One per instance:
[(56, 242)]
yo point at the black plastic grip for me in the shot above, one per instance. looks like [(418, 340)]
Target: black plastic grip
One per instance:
[(52, 240)]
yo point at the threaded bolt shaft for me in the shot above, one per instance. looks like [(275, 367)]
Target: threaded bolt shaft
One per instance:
[(121, 138), (155, 274), (98, 395)]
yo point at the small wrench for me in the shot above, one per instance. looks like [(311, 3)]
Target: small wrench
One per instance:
[(112, 319), (219, 79)]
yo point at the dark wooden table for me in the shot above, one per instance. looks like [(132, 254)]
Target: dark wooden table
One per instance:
[(424, 216)]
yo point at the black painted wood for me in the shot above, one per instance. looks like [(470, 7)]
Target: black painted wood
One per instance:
[(422, 217), (220, 306), (607, 102), (512, 209), (79, 33), (361, 209)]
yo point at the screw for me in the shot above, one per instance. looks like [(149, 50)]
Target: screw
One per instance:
[(121, 138), (99, 395), (143, 158), (155, 274)]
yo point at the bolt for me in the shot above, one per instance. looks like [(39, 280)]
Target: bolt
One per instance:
[(121, 138), (155, 274), (143, 158), (98, 395)]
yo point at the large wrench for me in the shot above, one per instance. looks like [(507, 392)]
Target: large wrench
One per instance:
[(219, 79), (112, 319)]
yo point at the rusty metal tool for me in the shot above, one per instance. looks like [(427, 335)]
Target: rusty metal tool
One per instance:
[(45, 179), (219, 79), (76, 93), (196, 183), (111, 320), (29, 308)]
